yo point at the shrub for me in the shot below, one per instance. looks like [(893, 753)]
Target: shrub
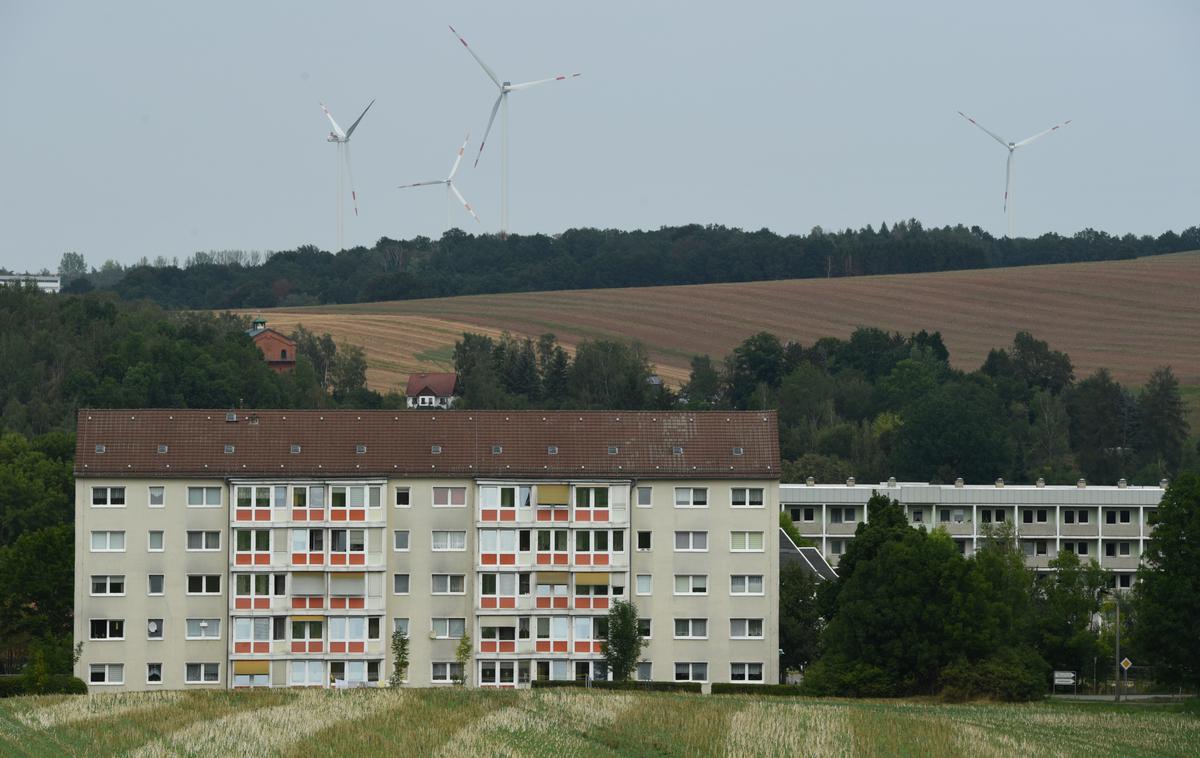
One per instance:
[(639, 686), (1013, 676), (741, 688), (53, 684)]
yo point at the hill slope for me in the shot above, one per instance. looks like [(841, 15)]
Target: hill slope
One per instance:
[(1128, 316)]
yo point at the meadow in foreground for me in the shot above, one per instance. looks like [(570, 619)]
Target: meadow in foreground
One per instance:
[(573, 722)]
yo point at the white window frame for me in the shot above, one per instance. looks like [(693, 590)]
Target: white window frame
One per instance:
[(204, 534), (690, 500), (745, 623), (691, 629), (162, 541), (449, 583), (205, 592), (637, 540), (649, 584), (108, 627), (160, 634), (108, 540), (203, 624), (746, 579), (205, 494), (396, 540), (649, 677), (108, 582), (400, 625), (309, 667), (745, 672), (108, 669), (691, 581), (396, 497), (649, 491), (160, 673), (691, 677), (446, 630), (407, 584), (108, 496), (204, 668), (691, 542), (447, 672), (449, 497), (149, 591), (747, 500), (448, 535), (747, 536), (162, 496)]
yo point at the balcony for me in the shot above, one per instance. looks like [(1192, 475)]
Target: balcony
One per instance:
[(551, 514), (254, 558)]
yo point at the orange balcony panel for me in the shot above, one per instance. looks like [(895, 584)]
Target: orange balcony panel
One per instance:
[(583, 647), (262, 647), (508, 514), (508, 647), (600, 516), (597, 647), (242, 647), (490, 515), (600, 559), (357, 647), (508, 602), (583, 559), (337, 514), (262, 602), (542, 646), (544, 515), (561, 515), (358, 515), (561, 647), (241, 602), (316, 602), (337, 559), (337, 602), (300, 559), (600, 602), (560, 559), (299, 602), (543, 559), (262, 559), (487, 602), (243, 514), (299, 647), (299, 514), (583, 602), (358, 559), (583, 515), (357, 602), (543, 602), (487, 646), (490, 559), (316, 514), (243, 559), (316, 559), (262, 515), (337, 647), (316, 647), (561, 602), (508, 559)]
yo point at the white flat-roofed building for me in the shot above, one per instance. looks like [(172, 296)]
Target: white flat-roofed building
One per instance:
[(46, 283)]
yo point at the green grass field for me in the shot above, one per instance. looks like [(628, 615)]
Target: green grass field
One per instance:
[(469, 723)]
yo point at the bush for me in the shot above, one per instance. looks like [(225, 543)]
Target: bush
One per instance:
[(54, 684), (836, 676), (638, 686), (740, 688), (1012, 676)]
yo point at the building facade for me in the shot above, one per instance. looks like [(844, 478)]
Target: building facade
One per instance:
[(1110, 524), (283, 548), (279, 350)]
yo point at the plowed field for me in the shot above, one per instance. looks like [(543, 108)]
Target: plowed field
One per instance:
[(1128, 316)]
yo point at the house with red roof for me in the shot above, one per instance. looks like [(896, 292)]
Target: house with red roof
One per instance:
[(431, 390)]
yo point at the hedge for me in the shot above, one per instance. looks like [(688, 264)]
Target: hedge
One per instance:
[(745, 688), (55, 684), (640, 686)]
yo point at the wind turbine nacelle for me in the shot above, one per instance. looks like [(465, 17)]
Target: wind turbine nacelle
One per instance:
[(333, 137)]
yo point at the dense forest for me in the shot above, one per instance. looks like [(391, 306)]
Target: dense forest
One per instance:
[(463, 264)]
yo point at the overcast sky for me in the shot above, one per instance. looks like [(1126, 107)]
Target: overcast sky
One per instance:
[(147, 128)]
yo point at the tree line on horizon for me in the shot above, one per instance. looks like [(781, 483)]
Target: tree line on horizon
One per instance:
[(464, 264)]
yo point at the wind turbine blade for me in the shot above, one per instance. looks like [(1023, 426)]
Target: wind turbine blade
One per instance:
[(360, 118), (462, 200), (491, 74), (488, 131), (1007, 178), (458, 158), (336, 129), (1039, 135), (991, 134), (421, 184), (527, 85), (350, 176)]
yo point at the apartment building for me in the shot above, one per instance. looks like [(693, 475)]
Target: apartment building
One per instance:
[(1110, 524), (283, 548)]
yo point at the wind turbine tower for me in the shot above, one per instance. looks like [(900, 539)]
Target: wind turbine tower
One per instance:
[(449, 182), (1012, 148), (501, 103), (342, 140)]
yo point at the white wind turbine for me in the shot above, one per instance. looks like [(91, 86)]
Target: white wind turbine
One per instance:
[(502, 100), (1012, 147), (342, 139), (449, 182)]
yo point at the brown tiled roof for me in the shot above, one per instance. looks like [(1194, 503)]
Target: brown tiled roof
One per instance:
[(400, 443), (441, 385)]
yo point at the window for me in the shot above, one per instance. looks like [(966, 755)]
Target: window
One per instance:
[(450, 541), (691, 584), (1041, 515), (745, 672), (1124, 517), (449, 584), (746, 542), (400, 625), (1123, 548), (252, 540), (918, 516), (747, 497), (307, 673), (746, 584), (203, 629), (399, 584), (551, 449), (403, 497), (154, 629), (1068, 517), (837, 547), (691, 542), (746, 629), (155, 541), (645, 671), (1027, 516), (435, 449), (691, 629), (347, 629), (346, 541), (308, 540), (591, 497), (739, 451), (154, 584), (691, 672), (106, 673), (106, 629), (644, 628), (204, 497), (229, 449), (842, 515), (643, 540), (201, 673), (446, 672), (809, 514), (449, 497), (497, 449), (643, 497), (400, 540), (108, 497), (205, 541), (157, 499), (204, 584), (153, 673), (108, 542), (108, 584), (1125, 581), (1083, 517), (644, 584), (449, 628), (691, 497)]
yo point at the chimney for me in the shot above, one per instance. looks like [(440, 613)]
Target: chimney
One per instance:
[(1000, 481), (810, 482), (1041, 482), (958, 482), (1163, 483), (1122, 483), (1082, 483), (891, 481), (850, 482)]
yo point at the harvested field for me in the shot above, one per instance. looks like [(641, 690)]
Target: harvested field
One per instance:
[(458, 722), (1128, 316)]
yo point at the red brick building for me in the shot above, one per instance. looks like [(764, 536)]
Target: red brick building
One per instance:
[(277, 349)]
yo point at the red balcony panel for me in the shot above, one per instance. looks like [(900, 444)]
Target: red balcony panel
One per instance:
[(337, 514), (243, 559), (262, 559), (508, 647), (337, 647), (508, 514), (583, 602), (597, 647), (316, 514), (560, 559), (358, 559), (487, 646), (356, 647), (262, 647), (583, 559), (543, 602), (600, 602), (243, 514), (299, 647), (358, 514), (583, 647), (600, 559), (241, 602), (600, 516), (316, 647), (508, 602), (357, 602), (316, 559), (544, 515), (487, 602), (337, 559), (316, 602), (262, 515), (490, 559), (300, 559), (337, 602), (299, 602), (242, 647), (561, 602), (490, 515), (542, 646), (262, 602), (583, 515), (299, 514), (561, 647), (543, 559), (508, 559), (561, 515)]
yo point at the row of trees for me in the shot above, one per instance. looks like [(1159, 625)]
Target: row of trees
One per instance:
[(460, 263), (909, 615)]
